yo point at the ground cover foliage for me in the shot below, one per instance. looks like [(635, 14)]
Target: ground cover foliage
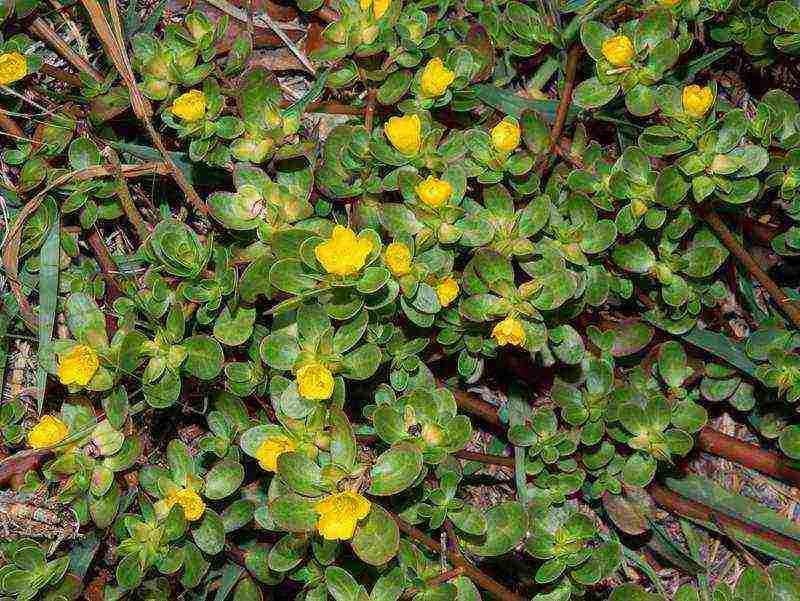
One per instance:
[(370, 300)]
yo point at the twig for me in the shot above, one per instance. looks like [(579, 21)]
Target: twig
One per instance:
[(566, 95), (370, 112), (264, 19), (746, 454), (21, 462), (61, 75), (480, 578), (41, 29), (10, 126), (788, 307), (484, 458), (131, 212), (113, 41), (698, 512), (436, 581)]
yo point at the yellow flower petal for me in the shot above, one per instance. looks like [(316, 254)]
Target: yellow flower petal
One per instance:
[(13, 67), (339, 514), (447, 290), (315, 381), (433, 191), (343, 253), (435, 78), (78, 366), (48, 432), (618, 50), (190, 106), (192, 504), (398, 258), (509, 331), (506, 136), (269, 451), (697, 100), (405, 133)]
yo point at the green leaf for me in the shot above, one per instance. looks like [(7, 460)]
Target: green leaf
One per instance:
[(395, 470), (506, 526), (377, 537)]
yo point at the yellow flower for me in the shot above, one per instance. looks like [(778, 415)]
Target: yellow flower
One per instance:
[(192, 503), (509, 331), (436, 78), (669, 2), (48, 432), (697, 100), (505, 136), (190, 106), (13, 66), (447, 290), (269, 450), (379, 7), (433, 191), (314, 381), (618, 50), (398, 258), (339, 514), (343, 253), (78, 366), (404, 133)]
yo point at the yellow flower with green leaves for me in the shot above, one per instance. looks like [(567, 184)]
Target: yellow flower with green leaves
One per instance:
[(339, 514), (398, 258), (13, 67), (405, 133), (379, 7), (48, 432), (269, 451), (509, 331), (193, 505), (343, 253), (618, 50), (433, 191), (697, 100), (506, 136), (78, 365), (435, 78), (315, 381), (190, 106), (447, 291)]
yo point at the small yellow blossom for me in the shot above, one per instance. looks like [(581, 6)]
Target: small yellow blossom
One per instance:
[(509, 331), (13, 66), (343, 253), (379, 7), (269, 450), (669, 3), (447, 290), (78, 366), (193, 505), (433, 191), (48, 432), (618, 50), (398, 258), (638, 208), (405, 133), (190, 106), (339, 514), (506, 136), (436, 78), (315, 381), (697, 100)]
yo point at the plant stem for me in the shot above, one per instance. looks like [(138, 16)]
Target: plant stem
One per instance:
[(484, 458), (733, 245), (746, 454), (480, 578), (566, 96), (698, 512), (42, 30), (436, 581)]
